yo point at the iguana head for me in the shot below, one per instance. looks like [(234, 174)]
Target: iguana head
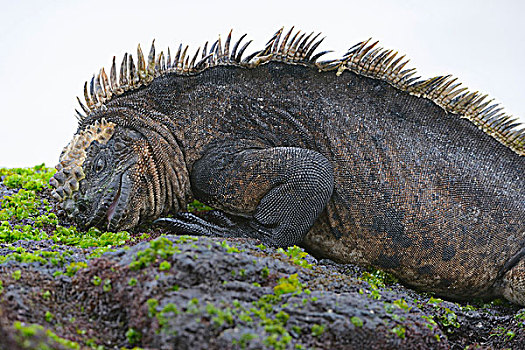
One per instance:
[(123, 166), (114, 177)]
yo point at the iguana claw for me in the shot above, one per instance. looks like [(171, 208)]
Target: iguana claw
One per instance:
[(214, 223)]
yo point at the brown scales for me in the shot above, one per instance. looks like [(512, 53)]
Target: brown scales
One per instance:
[(363, 58)]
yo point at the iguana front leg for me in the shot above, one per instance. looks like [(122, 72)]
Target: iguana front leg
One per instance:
[(272, 194)]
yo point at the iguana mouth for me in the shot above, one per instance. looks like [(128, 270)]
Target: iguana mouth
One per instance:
[(116, 210), (111, 210)]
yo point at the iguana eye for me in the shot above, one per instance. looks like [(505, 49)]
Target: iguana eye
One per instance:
[(100, 164)]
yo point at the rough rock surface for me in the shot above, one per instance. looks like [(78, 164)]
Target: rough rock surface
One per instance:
[(166, 292)]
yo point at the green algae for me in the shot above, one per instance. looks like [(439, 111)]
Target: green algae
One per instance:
[(73, 267), (198, 206), (296, 255), (30, 337), (317, 330), (160, 248), (35, 178), (400, 331), (26, 215), (133, 336), (356, 321), (96, 280), (229, 249), (289, 284)]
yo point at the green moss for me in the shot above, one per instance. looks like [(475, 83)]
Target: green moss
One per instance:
[(133, 336), (356, 321), (27, 332), (107, 285), (152, 306), (435, 301), (267, 312), (97, 252), (49, 316), (431, 324), (26, 204), (132, 281), (448, 319), (399, 331), (317, 330), (165, 314), (377, 280), (91, 238), (35, 178), (402, 304), (468, 307), (245, 339), (185, 239), (21, 205), (164, 266), (21, 255), (277, 339), (198, 206), (297, 256), (193, 306), (17, 274), (519, 316), (290, 284), (73, 267), (503, 332), (144, 236), (159, 248), (96, 281), (219, 316), (229, 248), (265, 272)]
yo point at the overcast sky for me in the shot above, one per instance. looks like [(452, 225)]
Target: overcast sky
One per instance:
[(49, 48)]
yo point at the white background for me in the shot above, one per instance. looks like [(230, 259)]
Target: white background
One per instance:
[(49, 48)]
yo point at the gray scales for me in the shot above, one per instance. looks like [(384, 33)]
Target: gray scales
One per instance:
[(355, 159)]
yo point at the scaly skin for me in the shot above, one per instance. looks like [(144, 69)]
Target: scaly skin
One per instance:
[(348, 166)]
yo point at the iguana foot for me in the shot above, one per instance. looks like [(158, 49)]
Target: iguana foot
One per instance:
[(213, 223)]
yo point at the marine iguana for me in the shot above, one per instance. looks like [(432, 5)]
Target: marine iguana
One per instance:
[(355, 159)]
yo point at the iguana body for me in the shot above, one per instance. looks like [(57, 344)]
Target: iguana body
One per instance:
[(337, 156)]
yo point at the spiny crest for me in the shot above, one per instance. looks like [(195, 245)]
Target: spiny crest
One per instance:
[(102, 89), (69, 169), (364, 58)]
